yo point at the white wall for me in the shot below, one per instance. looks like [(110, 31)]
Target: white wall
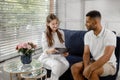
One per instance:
[(110, 10), (72, 13)]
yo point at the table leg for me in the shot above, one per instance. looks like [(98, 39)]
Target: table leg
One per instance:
[(46, 76), (19, 76), (10, 76)]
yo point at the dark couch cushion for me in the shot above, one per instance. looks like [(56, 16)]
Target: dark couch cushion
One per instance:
[(73, 59), (74, 41)]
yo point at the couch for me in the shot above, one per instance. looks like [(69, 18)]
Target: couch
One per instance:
[(74, 41)]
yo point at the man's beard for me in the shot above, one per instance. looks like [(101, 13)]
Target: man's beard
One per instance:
[(90, 28)]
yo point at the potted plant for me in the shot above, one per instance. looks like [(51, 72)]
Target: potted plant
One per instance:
[(26, 49)]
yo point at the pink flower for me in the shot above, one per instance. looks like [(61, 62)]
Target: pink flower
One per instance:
[(19, 46), (24, 45), (26, 48), (29, 47)]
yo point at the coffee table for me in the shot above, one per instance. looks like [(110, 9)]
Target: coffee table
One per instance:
[(16, 67)]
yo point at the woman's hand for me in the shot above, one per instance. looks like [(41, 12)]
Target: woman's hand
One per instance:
[(51, 51), (65, 54)]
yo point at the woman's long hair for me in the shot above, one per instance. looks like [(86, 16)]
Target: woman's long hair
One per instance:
[(49, 35)]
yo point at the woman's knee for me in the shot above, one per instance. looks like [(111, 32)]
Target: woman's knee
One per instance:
[(58, 69), (67, 65), (64, 66)]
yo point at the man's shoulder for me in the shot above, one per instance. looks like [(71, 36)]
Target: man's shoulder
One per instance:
[(89, 32), (109, 32)]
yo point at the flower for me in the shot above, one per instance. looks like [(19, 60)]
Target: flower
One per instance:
[(26, 48)]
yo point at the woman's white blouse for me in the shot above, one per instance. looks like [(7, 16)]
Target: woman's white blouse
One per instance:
[(56, 41)]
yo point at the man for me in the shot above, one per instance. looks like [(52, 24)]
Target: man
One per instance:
[(101, 43)]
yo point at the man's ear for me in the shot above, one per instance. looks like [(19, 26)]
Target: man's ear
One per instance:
[(95, 21)]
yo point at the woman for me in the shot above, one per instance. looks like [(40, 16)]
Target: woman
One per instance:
[(52, 38)]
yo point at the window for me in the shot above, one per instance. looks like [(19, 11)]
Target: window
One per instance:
[(21, 21)]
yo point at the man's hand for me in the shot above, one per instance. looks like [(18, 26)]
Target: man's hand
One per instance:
[(87, 72)]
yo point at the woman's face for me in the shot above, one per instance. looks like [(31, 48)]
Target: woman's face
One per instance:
[(53, 25)]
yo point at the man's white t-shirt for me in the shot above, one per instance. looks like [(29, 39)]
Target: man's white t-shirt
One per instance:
[(98, 43)]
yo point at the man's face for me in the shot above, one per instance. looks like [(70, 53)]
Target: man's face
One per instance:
[(90, 23)]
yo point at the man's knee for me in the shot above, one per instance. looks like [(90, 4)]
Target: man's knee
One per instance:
[(97, 72), (77, 66)]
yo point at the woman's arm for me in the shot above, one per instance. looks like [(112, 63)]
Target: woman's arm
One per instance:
[(44, 43), (45, 47)]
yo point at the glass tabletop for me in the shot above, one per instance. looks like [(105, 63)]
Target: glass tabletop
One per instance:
[(35, 74), (17, 67)]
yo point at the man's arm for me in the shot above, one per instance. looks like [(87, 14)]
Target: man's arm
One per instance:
[(103, 59), (86, 61), (86, 56)]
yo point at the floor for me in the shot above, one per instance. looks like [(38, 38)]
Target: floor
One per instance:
[(118, 78)]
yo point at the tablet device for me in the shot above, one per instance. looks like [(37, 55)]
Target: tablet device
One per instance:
[(61, 50)]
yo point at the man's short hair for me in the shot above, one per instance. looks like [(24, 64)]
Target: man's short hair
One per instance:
[(94, 14)]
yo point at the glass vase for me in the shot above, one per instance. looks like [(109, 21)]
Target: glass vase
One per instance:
[(26, 59)]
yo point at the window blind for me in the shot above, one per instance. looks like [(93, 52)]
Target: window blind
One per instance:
[(21, 21)]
